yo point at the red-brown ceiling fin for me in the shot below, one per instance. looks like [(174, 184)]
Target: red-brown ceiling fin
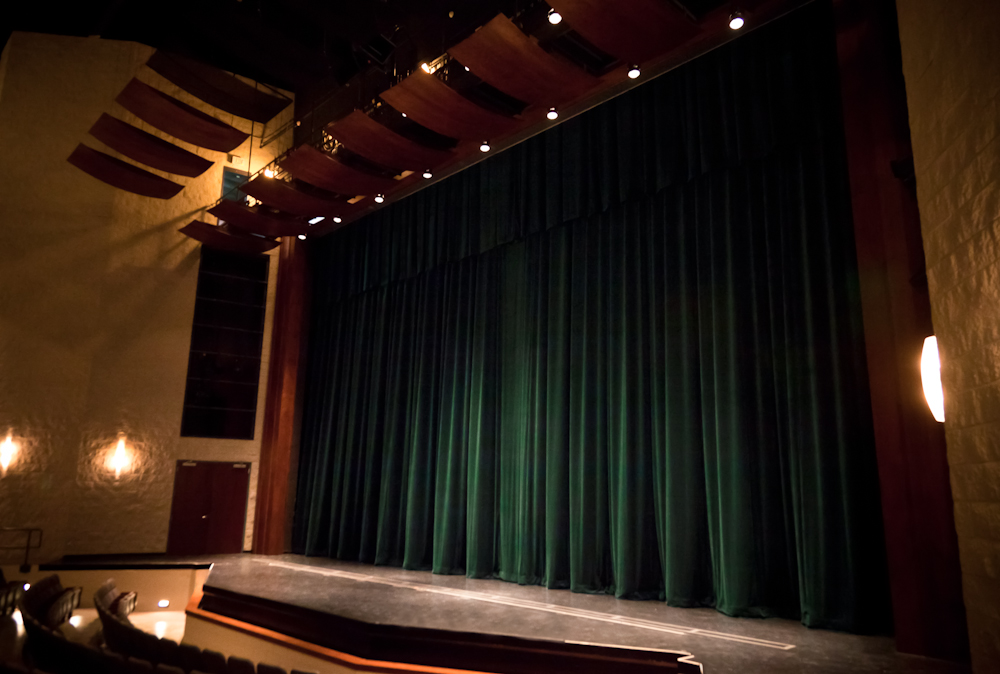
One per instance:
[(121, 174)]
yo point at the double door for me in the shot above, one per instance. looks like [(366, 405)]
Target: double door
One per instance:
[(209, 509)]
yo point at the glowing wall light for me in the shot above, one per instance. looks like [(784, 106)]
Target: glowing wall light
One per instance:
[(8, 448), (930, 375), (120, 460)]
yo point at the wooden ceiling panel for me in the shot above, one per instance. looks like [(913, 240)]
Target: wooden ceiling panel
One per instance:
[(146, 148), (322, 170), (220, 237), (251, 219), (217, 87), (179, 119), (632, 30), (432, 103), (364, 136), (121, 174), (286, 197), (504, 57)]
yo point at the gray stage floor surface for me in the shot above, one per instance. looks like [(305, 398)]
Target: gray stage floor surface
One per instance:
[(389, 595)]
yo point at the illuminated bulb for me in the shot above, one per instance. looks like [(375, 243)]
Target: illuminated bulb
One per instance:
[(379, 198), (485, 147), (160, 629), (268, 173), (302, 237), (552, 113), (428, 175), (736, 20), (27, 586), (404, 114), (316, 220), (163, 603), (554, 17), (337, 219), (7, 449), (120, 459), (634, 72), (930, 376), (466, 68), (76, 621), (426, 68)]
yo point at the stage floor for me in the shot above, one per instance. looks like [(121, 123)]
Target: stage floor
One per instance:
[(418, 599)]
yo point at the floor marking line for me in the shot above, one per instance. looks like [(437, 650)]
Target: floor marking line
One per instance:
[(569, 611)]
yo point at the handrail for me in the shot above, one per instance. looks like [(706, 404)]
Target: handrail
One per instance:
[(28, 547)]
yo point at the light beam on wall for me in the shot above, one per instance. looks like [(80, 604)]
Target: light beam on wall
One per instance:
[(930, 375), (8, 448), (120, 460)]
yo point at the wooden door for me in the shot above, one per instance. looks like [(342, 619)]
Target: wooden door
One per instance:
[(209, 509)]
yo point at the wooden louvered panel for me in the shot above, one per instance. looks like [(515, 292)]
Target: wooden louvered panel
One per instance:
[(632, 30), (286, 197), (121, 174), (146, 148), (322, 170), (503, 56), (217, 87), (220, 237), (432, 103), (252, 220), (179, 119), (364, 136)]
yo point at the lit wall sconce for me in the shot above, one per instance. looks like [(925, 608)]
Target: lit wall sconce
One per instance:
[(930, 376), (8, 450), (120, 459)]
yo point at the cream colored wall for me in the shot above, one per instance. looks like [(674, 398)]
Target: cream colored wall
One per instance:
[(951, 61), (97, 293)]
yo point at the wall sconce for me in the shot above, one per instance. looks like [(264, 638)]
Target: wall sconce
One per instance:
[(120, 459), (930, 376), (8, 449)]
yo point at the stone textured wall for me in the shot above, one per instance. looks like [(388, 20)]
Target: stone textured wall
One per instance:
[(97, 293), (951, 62)]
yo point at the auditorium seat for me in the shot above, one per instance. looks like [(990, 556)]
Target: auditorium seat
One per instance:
[(10, 592), (213, 662), (61, 608), (240, 665), (190, 658), (263, 668), (167, 669)]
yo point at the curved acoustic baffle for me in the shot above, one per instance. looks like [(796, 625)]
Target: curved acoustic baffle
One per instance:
[(503, 56), (146, 148), (220, 237), (322, 170), (632, 30), (178, 118), (252, 220), (364, 136), (430, 102), (217, 87), (122, 175), (286, 197)]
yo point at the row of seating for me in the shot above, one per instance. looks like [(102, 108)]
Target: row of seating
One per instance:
[(49, 603), (10, 593)]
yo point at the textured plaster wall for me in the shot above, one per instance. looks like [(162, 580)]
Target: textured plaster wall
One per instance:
[(951, 61), (97, 293)]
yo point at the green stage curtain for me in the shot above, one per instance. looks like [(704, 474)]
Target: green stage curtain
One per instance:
[(625, 356)]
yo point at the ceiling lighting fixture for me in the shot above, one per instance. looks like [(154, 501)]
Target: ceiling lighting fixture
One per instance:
[(466, 68), (316, 220), (404, 114), (736, 20), (337, 219), (552, 113), (554, 17), (428, 175), (634, 72), (485, 147), (302, 237), (268, 173), (426, 68), (379, 198)]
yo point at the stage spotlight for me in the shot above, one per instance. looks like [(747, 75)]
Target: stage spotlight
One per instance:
[(302, 237), (736, 20), (552, 113), (554, 17), (485, 147), (268, 173), (428, 175), (379, 198), (337, 219), (316, 220), (426, 68), (634, 72)]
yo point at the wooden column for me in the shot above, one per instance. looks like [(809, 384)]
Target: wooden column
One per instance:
[(280, 419), (921, 543)]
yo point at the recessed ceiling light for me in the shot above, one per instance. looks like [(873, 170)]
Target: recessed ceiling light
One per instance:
[(485, 147), (554, 17), (163, 603), (634, 72), (428, 175), (337, 219), (316, 220), (404, 114), (736, 20), (552, 113), (379, 198), (302, 237)]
